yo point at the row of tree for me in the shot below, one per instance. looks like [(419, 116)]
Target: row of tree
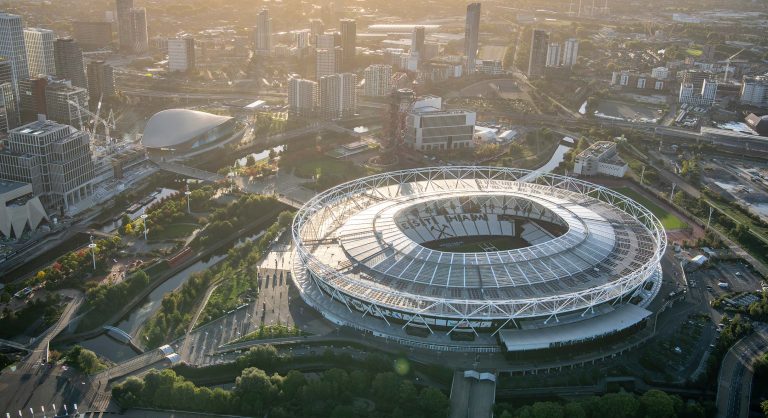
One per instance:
[(101, 299), (84, 360), (237, 276), (333, 393), (223, 222), (171, 209), (652, 404), (69, 269), (738, 231), (176, 311), (40, 311), (177, 307)]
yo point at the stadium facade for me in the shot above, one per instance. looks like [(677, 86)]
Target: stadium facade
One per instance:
[(478, 258)]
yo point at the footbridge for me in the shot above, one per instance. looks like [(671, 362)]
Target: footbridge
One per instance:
[(14, 345)]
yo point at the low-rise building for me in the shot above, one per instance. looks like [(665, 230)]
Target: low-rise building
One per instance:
[(634, 80), (430, 129), (20, 210), (600, 158), (491, 67), (758, 124)]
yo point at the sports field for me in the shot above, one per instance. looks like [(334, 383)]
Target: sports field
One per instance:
[(668, 220), (477, 244)]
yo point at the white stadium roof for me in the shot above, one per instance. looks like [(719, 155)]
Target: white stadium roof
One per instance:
[(540, 338), (364, 239), (176, 126)]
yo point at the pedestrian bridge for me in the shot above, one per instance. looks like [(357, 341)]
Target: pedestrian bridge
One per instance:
[(12, 344), (118, 334)]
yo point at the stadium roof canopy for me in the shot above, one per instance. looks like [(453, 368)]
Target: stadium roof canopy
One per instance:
[(564, 334), (176, 126)]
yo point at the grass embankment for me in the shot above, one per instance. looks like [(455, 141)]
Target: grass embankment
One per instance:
[(174, 231), (307, 159), (530, 153), (237, 282), (668, 219), (267, 332), (177, 309)]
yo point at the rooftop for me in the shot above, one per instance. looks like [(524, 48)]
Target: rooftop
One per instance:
[(176, 126), (39, 127), (563, 334), (7, 186), (597, 149)]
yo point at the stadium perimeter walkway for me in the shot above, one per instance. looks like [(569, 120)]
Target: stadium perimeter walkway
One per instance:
[(471, 398)]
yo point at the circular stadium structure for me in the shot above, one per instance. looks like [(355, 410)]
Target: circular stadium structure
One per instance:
[(174, 133), (479, 258)]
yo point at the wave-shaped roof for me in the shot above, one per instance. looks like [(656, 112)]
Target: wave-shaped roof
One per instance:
[(176, 126)]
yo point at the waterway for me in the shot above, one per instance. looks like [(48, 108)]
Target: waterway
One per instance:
[(157, 196), (583, 108), (116, 351), (557, 157), (258, 156)]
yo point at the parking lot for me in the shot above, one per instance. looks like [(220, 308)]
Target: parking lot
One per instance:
[(724, 277)]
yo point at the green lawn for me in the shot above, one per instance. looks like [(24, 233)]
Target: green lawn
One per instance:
[(237, 288), (694, 52), (668, 220), (172, 231)]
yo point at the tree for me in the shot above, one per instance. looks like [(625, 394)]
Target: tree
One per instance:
[(385, 389), (84, 360), (433, 403), (255, 391), (574, 410), (250, 161), (285, 219), (657, 404), (125, 222), (344, 411), (292, 383), (407, 396), (88, 362), (547, 410), (618, 405), (679, 198)]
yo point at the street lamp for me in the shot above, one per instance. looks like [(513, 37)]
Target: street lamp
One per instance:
[(92, 246), (144, 217), (188, 194)]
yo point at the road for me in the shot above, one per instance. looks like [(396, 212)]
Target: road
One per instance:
[(735, 379), (201, 96), (39, 353), (35, 382)]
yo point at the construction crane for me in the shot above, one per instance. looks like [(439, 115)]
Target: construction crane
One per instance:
[(728, 64), (109, 123)]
